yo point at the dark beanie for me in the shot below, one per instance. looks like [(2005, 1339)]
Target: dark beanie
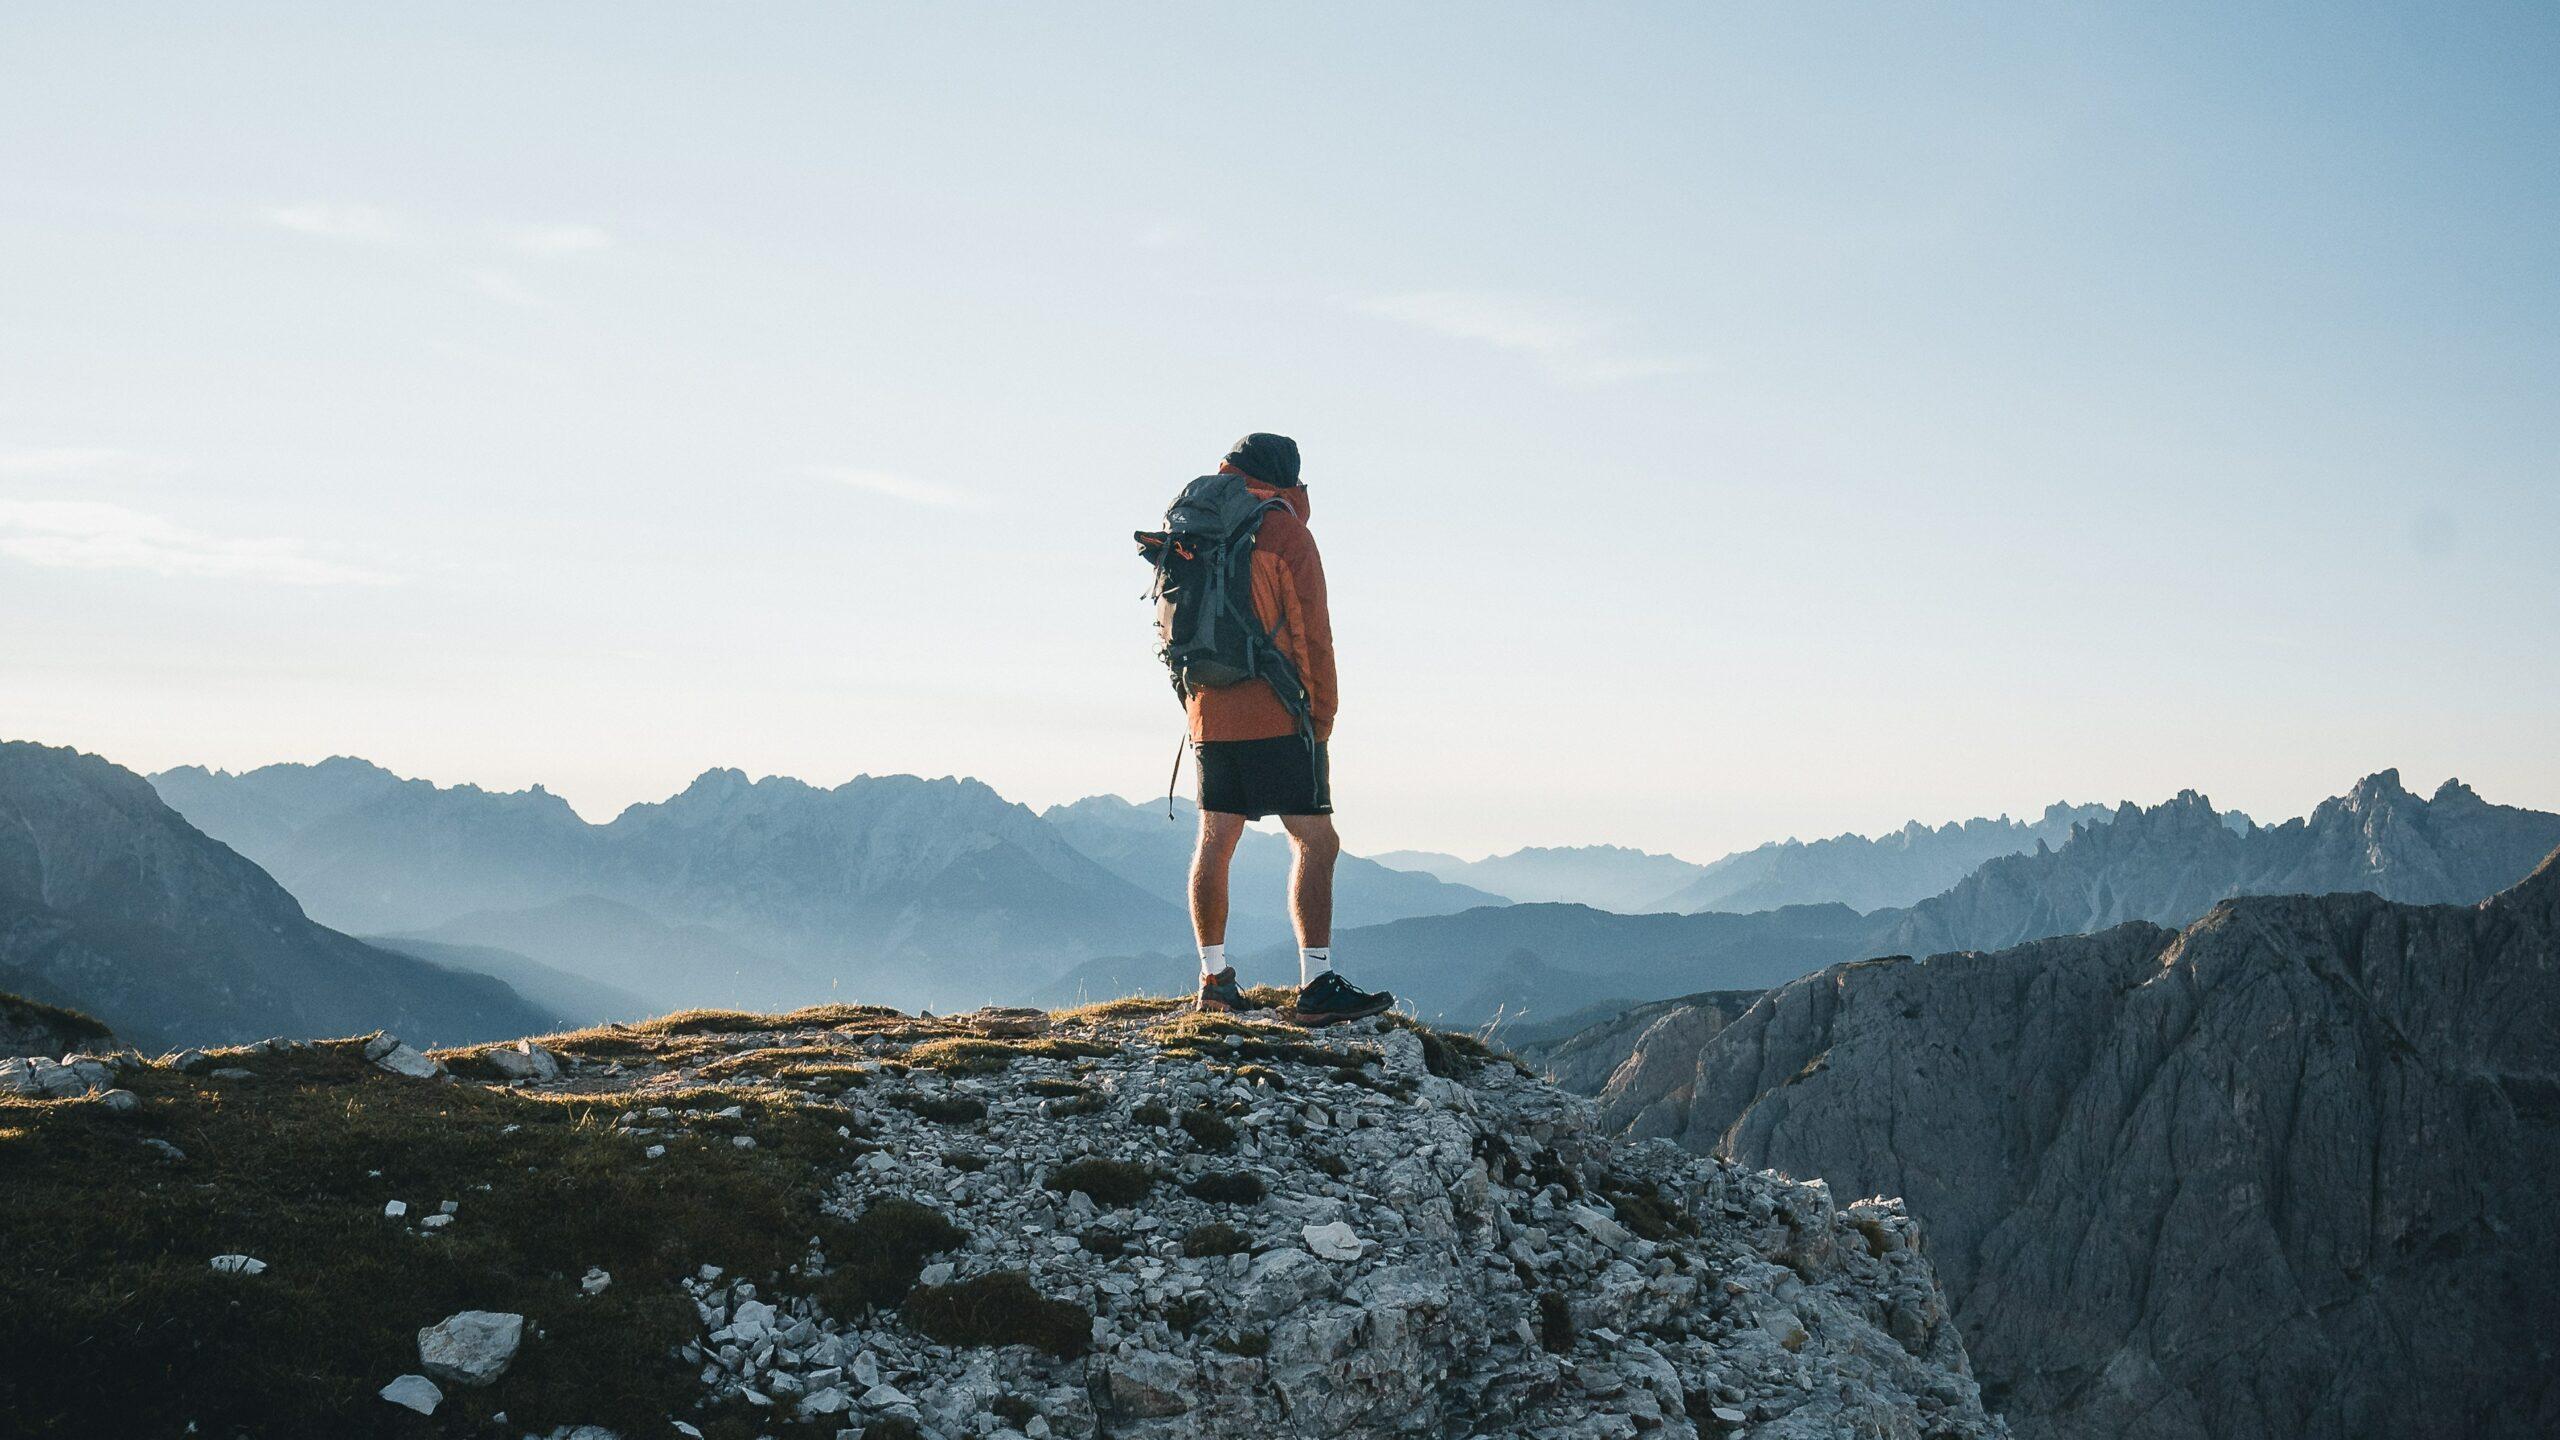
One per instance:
[(1272, 459)]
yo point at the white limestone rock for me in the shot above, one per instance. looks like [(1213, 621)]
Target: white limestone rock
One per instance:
[(474, 1347), (414, 1392)]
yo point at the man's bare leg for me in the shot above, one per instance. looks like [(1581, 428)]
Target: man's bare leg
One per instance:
[(1218, 837), (1209, 861), (1311, 879)]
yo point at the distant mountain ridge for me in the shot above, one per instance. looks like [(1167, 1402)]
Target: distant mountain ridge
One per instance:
[(2166, 864), (906, 890), (1604, 877), (2284, 1173), (113, 904), (1900, 867), (1141, 845)]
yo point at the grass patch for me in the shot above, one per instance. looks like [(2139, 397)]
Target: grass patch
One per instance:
[(1332, 1164), (75, 1028), (1000, 1309), (883, 1253), (117, 1326), (1209, 1036), (1104, 1243), (1208, 1131), (964, 1160), (1185, 1313), (1240, 1187), (972, 1055), (942, 1109), (1215, 1238), (1109, 1182), (1127, 1007), (1641, 1208), (1151, 1114), (1252, 1344), (1555, 1323)]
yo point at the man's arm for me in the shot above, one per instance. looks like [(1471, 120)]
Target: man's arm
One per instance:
[(1308, 639)]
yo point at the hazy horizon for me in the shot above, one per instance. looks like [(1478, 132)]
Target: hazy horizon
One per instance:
[(2029, 813), (1719, 426)]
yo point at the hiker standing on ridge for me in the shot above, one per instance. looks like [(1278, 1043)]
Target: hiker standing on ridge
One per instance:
[(1257, 681)]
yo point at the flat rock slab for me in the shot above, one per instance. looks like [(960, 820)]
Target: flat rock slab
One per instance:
[(416, 1392), (472, 1348)]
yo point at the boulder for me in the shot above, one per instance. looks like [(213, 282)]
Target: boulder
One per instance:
[(471, 1348)]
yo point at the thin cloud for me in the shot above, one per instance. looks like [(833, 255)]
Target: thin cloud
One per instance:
[(1570, 343), (92, 535), (896, 487), (549, 240), (337, 220)]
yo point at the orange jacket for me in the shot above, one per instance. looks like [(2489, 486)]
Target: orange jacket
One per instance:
[(1288, 593)]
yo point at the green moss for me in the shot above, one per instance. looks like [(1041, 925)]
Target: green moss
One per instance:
[(1109, 1182), (942, 1109), (116, 1325), (1332, 1164), (963, 1057), (999, 1309), (1215, 1238), (1640, 1206), (71, 1025), (1241, 1187), (879, 1257), (1208, 1131), (1104, 1243), (1555, 1322)]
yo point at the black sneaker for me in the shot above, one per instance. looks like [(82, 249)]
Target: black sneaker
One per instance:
[(1220, 992), (1329, 1000)]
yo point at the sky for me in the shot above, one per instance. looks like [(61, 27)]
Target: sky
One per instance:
[(1721, 423)]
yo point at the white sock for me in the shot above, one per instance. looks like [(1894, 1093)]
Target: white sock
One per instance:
[(1213, 958), (1313, 961)]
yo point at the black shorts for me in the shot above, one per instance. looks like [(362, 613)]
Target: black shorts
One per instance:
[(1254, 778)]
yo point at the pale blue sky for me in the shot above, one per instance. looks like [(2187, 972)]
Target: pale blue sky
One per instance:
[(1721, 424)]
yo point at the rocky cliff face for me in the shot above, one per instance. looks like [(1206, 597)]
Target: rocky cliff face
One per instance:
[(110, 903), (2283, 1174)]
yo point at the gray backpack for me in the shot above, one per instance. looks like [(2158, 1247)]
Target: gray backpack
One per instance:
[(1207, 633)]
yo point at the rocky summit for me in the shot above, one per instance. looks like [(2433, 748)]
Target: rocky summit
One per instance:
[(1128, 1220)]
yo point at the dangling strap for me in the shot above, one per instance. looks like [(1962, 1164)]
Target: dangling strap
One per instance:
[(1176, 777)]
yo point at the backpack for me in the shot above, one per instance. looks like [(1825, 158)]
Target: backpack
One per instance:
[(1207, 633)]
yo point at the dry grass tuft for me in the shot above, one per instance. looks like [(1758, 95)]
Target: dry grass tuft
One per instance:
[(1000, 1309)]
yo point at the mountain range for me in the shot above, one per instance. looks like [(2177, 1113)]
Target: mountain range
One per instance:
[(112, 904), (1899, 867), (1141, 845), (902, 890), (2284, 1173), (2166, 864)]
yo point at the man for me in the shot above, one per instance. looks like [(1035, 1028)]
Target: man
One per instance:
[(1254, 760)]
